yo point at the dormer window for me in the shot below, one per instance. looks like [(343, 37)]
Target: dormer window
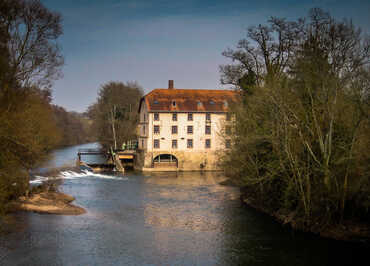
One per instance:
[(211, 102), (156, 102), (226, 104), (199, 103), (174, 103)]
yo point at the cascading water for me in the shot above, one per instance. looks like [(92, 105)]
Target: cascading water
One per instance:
[(74, 175)]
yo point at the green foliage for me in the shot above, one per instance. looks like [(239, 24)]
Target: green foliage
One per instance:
[(29, 60), (115, 114), (75, 128), (301, 138)]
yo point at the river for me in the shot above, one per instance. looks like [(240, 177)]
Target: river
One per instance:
[(161, 219)]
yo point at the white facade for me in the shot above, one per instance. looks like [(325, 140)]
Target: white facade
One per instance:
[(183, 129), (147, 135), (157, 128)]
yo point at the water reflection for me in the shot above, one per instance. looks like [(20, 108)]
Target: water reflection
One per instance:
[(196, 208), (164, 219)]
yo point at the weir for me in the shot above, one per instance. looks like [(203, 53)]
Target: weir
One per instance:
[(118, 159)]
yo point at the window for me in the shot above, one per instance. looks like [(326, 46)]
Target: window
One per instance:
[(190, 117), (208, 143), (228, 130), (156, 129), (228, 116), (156, 144), (174, 144), (208, 130), (156, 102), (190, 129), (156, 117), (143, 129), (228, 144), (211, 102), (208, 116), (144, 117), (174, 117), (142, 144), (173, 103), (199, 103), (190, 143), (174, 129)]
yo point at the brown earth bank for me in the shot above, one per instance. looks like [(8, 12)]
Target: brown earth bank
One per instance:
[(49, 202), (350, 230)]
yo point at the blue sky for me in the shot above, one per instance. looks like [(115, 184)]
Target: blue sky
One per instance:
[(153, 41)]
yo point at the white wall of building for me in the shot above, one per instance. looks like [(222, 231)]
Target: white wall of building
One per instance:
[(198, 136)]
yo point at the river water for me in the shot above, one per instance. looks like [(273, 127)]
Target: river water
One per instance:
[(161, 219)]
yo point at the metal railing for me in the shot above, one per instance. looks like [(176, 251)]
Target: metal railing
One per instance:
[(92, 151)]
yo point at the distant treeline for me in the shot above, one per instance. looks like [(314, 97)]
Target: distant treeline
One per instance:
[(75, 128)]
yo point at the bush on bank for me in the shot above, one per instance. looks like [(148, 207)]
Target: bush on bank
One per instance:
[(301, 132)]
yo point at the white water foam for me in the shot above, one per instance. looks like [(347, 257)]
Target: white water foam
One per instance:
[(74, 175)]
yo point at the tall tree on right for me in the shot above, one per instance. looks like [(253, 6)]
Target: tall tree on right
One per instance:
[(301, 138)]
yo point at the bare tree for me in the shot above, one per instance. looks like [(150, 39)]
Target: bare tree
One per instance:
[(32, 32), (115, 114), (300, 137), (266, 52)]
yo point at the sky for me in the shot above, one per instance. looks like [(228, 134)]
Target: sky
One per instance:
[(153, 41)]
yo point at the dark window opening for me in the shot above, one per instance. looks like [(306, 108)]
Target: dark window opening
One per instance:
[(174, 117), (190, 129), (208, 130), (190, 143), (190, 117), (208, 116), (156, 116), (208, 143), (156, 129), (174, 130)]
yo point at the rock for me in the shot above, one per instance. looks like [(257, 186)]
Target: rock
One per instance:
[(49, 202)]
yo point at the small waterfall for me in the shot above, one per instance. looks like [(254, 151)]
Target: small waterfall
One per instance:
[(75, 175)]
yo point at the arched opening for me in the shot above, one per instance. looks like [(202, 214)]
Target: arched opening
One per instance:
[(165, 161)]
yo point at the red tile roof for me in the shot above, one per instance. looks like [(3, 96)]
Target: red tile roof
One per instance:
[(186, 100)]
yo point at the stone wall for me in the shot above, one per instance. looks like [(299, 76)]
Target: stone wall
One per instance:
[(187, 161)]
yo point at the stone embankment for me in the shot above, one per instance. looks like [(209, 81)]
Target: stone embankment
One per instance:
[(49, 202)]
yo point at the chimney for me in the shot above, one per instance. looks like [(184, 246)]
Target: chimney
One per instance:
[(170, 84)]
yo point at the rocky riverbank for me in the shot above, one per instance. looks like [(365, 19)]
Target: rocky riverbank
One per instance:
[(50, 202)]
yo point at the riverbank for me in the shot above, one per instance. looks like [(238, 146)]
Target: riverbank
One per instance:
[(353, 231), (48, 202)]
